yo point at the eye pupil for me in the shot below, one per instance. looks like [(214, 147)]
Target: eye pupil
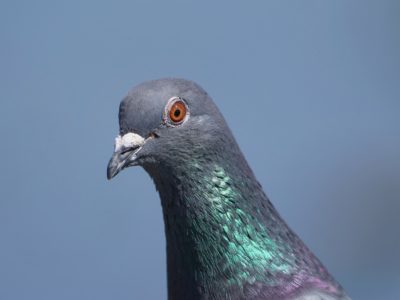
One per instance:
[(177, 112)]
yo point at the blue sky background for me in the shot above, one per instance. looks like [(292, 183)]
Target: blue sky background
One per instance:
[(311, 90)]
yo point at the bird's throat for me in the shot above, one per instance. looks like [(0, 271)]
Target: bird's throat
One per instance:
[(218, 231)]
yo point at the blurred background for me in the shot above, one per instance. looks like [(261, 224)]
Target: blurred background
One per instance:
[(311, 90)]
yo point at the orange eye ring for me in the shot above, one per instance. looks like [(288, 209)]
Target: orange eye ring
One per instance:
[(176, 111)]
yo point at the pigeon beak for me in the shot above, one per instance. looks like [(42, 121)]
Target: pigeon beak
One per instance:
[(126, 148), (119, 161)]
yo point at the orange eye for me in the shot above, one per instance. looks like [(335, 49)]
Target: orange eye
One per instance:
[(177, 111)]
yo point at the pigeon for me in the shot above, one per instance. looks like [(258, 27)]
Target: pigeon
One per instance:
[(224, 238)]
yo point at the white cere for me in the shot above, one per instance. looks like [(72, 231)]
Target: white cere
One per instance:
[(128, 140)]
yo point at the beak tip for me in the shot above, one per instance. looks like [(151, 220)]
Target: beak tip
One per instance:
[(111, 173), (112, 169)]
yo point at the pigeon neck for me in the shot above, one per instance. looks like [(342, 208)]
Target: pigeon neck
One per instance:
[(222, 232)]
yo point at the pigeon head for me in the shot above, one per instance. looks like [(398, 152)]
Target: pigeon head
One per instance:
[(166, 122)]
